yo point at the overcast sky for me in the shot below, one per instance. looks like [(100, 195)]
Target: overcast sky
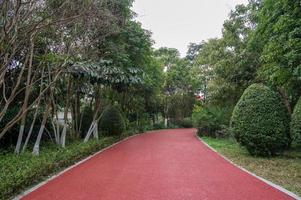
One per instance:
[(176, 23)]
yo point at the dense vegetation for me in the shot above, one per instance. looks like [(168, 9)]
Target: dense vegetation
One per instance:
[(260, 44), (296, 123), (112, 122), (63, 62), (260, 121), (19, 172)]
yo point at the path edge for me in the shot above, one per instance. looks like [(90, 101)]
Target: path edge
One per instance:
[(278, 187), (51, 177)]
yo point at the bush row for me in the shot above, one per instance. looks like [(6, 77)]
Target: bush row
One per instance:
[(20, 172)]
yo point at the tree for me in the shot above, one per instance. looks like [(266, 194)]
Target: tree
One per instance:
[(179, 85), (277, 39), (40, 44), (225, 67)]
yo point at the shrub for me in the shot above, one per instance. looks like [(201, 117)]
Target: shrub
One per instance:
[(186, 123), (158, 126), (171, 125), (112, 121), (260, 121), (211, 121), (296, 123), (181, 123), (144, 123)]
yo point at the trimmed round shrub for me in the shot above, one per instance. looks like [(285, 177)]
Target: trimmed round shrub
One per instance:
[(112, 122), (260, 121), (296, 123)]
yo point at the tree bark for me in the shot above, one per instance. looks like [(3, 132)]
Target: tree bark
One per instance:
[(94, 124), (36, 148), (27, 93), (63, 135)]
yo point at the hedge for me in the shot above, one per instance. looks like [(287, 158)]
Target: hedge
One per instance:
[(19, 172)]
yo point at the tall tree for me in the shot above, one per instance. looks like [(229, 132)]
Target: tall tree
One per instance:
[(278, 40)]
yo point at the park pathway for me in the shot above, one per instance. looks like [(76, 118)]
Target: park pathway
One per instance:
[(159, 165)]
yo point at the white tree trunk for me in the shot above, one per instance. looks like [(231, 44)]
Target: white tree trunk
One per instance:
[(20, 138), (165, 122), (95, 131), (36, 148), (63, 135), (56, 134), (91, 129), (28, 136), (35, 116)]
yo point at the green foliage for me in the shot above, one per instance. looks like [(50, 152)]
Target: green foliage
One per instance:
[(179, 84), (211, 120), (142, 123), (278, 41), (158, 126), (260, 121), (11, 137), (20, 172), (185, 123), (227, 66), (180, 105), (296, 123), (112, 121)]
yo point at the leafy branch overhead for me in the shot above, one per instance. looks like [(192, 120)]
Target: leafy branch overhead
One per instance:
[(106, 73)]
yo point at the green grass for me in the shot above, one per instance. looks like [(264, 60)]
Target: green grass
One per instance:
[(284, 170), (20, 172)]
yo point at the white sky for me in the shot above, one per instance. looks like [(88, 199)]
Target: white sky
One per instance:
[(176, 23)]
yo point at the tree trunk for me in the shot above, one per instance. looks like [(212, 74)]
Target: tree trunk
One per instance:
[(27, 93), (36, 148), (94, 124), (20, 138), (91, 129), (95, 132), (63, 135), (34, 117), (30, 132)]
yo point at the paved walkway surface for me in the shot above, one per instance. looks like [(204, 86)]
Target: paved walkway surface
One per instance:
[(160, 165)]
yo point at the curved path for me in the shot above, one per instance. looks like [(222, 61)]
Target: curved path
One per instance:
[(160, 165)]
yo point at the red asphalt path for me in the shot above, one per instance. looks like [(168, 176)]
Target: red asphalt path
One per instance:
[(160, 165)]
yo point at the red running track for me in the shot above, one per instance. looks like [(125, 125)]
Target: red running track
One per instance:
[(160, 165)]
